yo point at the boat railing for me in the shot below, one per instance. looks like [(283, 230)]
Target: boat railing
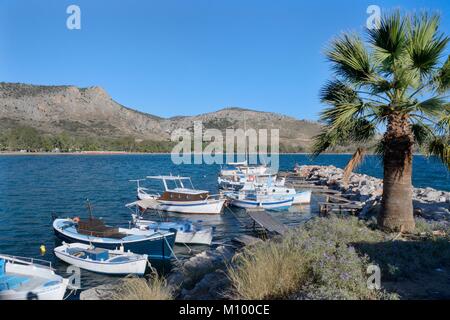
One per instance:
[(215, 197), (151, 192), (27, 261)]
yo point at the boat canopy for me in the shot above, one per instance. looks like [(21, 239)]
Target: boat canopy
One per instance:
[(168, 178), (180, 179), (144, 204)]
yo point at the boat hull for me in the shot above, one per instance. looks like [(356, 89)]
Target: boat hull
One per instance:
[(55, 292), (39, 283), (193, 235), (187, 207), (136, 267), (302, 197), (268, 205)]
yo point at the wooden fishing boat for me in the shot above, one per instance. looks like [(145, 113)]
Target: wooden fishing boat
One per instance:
[(182, 198), (26, 279), (114, 262)]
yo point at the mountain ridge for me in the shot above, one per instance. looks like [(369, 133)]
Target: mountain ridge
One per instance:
[(91, 111)]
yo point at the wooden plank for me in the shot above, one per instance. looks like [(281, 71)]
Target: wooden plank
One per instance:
[(341, 205), (266, 221), (339, 198), (246, 240)]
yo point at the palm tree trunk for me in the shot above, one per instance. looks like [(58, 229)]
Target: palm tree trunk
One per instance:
[(396, 206)]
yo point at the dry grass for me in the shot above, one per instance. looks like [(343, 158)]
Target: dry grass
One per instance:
[(133, 288), (269, 270), (315, 261)]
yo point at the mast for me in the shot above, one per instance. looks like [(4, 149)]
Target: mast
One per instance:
[(89, 207)]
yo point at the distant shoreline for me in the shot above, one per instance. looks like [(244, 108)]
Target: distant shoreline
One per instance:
[(111, 153), (122, 153)]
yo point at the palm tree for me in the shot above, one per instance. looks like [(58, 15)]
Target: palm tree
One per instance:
[(395, 83)]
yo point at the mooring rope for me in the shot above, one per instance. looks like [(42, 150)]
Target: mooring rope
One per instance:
[(171, 250)]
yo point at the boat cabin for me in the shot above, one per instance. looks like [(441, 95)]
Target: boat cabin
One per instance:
[(96, 228), (178, 188)]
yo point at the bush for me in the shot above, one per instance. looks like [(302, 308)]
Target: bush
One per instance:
[(315, 261)]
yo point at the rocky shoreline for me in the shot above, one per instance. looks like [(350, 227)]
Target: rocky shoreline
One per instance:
[(429, 203)]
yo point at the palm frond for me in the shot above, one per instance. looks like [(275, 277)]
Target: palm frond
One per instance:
[(351, 60), (443, 124), (354, 162), (357, 130), (442, 78), (432, 107), (388, 40), (426, 44), (422, 133), (337, 92), (440, 148), (379, 148), (322, 142)]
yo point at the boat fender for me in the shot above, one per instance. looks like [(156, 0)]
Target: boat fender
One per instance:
[(42, 249)]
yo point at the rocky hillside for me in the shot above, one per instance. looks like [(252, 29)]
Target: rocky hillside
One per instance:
[(92, 112)]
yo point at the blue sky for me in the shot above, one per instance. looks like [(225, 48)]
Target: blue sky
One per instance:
[(185, 57)]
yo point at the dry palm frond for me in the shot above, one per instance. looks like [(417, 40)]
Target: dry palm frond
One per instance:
[(354, 162)]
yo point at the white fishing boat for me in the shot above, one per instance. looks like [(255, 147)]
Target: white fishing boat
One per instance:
[(187, 232), (29, 279), (250, 200), (238, 181), (234, 168), (113, 262), (181, 198)]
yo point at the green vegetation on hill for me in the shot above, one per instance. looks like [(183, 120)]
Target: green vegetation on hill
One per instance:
[(30, 139)]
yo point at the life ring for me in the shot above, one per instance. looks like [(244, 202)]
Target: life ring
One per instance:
[(251, 178)]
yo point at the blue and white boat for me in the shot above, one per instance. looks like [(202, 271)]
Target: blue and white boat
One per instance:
[(251, 200), (187, 231), (29, 279), (270, 188), (157, 244), (113, 262)]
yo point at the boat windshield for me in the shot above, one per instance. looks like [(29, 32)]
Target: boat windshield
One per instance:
[(174, 182)]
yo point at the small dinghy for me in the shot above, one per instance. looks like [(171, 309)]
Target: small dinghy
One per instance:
[(187, 232), (114, 262), (29, 279)]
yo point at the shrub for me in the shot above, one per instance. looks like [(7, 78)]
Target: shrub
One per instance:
[(314, 261), (133, 288)]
